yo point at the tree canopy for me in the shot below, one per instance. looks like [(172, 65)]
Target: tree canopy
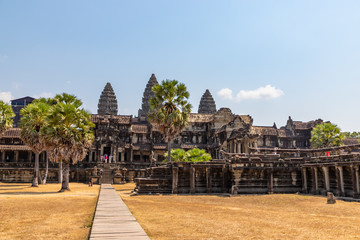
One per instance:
[(6, 117), (68, 132), (170, 109), (33, 119), (192, 155), (326, 135)]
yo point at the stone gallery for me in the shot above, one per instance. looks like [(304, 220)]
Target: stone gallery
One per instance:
[(246, 158)]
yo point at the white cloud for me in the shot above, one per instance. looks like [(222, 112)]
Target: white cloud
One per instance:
[(225, 93), (44, 95), (267, 92), (6, 96)]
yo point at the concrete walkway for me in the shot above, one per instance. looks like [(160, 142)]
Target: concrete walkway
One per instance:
[(113, 220)]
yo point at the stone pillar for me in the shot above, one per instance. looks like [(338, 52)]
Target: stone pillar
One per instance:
[(340, 180), (141, 156), (3, 156), (208, 180), (122, 155), (355, 180), (192, 180), (326, 178), (101, 150), (29, 156), (270, 182), (315, 185), (224, 178), (304, 181), (91, 156), (131, 155), (175, 179), (238, 147), (16, 156)]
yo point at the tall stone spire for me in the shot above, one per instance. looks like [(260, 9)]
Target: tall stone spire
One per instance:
[(148, 94), (207, 103), (107, 102)]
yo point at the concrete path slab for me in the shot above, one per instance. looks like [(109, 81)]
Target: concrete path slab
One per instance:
[(113, 220)]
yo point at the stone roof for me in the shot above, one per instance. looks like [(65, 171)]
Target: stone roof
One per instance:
[(207, 103), (148, 94), (350, 141), (12, 133), (107, 102), (264, 130)]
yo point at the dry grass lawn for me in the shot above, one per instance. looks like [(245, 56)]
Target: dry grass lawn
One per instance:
[(43, 213), (276, 216)]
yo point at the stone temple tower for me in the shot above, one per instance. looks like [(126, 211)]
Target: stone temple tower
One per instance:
[(207, 103), (107, 102), (148, 94)]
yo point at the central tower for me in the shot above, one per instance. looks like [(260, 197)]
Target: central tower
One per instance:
[(148, 94)]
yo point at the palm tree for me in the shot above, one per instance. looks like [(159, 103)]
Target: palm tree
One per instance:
[(6, 115), (32, 121), (197, 155), (68, 132), (326, 135), (177, 155), (170, 109)]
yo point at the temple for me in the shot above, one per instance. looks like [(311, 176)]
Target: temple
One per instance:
[(243, 153)]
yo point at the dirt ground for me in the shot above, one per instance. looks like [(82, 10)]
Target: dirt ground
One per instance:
[(277, 216), (44, 213)]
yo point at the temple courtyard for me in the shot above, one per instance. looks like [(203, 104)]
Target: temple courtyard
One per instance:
[(43, 213)]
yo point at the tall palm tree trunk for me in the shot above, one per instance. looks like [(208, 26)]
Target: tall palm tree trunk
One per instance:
[(46, 170), (66, 175), (169, 150), (60, 173), (35, 182)]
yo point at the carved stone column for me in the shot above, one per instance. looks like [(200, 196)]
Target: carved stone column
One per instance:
[(340, 180), (192, 180), (123, 155), (131, 155), (315, 185), (270, 182), (91, 156), (326, 178), (175, 180), (16, 156), (208, 180), (3, 156), (304, 181), (355, 180), (29, 156)]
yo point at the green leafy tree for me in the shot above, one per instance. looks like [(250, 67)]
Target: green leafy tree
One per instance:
[(6, 115), (326, 135), (192, 155), (197, 155), (68, 132), (170, 109), (32, 121), (177, 155)]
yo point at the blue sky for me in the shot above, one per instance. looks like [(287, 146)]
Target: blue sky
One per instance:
[(287, 58)]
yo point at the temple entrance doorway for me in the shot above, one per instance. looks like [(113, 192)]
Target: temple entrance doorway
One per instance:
[(107, 151)]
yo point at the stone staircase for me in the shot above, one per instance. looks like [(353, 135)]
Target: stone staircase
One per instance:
[(107, 174)]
